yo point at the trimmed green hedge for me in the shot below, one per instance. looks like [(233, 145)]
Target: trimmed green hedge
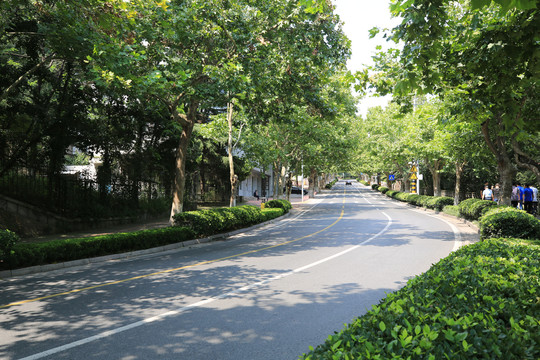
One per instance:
[(213, 221), (50, 252), (465, 208), (383, 189), (439, 202), (279, 203), (193, 224), (375, 186), (8, 239), (509, 222), (479, 302), (331, 184)]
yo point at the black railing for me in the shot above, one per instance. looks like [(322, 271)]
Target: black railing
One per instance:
[(74, 197)]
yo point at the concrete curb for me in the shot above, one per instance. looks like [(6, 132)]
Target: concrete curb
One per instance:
[(5, 274)]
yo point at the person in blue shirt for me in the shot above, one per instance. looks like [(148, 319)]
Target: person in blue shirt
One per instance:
[(520, 199), (528, 199)]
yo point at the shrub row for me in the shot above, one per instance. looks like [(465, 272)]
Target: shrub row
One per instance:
[(479, 302), (506, 221), (473, 209), (363, 182), (191, 224), (430, 202), (331, 184), (495, 220), (213, 221), (280, 204), (50, 252)]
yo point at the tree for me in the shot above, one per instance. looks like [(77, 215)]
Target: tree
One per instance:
[(489, 56)]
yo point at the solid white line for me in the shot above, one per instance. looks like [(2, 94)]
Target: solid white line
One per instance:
[(121, 329)]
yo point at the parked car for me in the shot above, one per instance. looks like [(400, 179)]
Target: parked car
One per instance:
[(296, 190), (348, 182)]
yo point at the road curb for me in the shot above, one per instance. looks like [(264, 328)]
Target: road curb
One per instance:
[(5, 274)]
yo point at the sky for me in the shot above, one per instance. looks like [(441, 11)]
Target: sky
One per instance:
[(359, 16)]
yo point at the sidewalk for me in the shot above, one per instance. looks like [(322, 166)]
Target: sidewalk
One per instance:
[(156, 223)]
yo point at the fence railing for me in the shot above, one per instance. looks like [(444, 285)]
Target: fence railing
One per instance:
[(74, 197)]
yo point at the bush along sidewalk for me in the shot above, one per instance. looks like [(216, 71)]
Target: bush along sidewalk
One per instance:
[(493, 220), (479, 302), (331, 184), (189, 225)]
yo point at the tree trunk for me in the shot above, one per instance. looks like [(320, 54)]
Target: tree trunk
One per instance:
[(506, 168), (434, 168), (311, 189), (232, 176), (180, 170), (457, 190)]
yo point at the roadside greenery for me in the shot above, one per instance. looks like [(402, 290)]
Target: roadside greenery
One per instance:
[(479, 302), (190, 225)]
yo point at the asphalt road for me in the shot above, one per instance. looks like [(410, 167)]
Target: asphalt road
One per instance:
[(269, 293)]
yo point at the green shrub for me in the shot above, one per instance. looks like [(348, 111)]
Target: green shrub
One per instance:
[(481, 302), (364, 182), (401, 196), (213, 221), (412, 198), (279, 203), (8, 239), (478, 208), (451, 210), (383, 189), (272, 213), (50, 252), (374, 186), (465, 208), (509, 222), (391, 193), (439, 202), (331, 184)]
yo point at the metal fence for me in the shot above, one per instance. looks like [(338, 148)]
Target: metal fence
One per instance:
[(74, 197)]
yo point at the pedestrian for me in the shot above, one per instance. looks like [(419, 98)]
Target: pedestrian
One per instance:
[(520, 201), (535, 200), (496, 193), (256, 194), (487, 194), (514, 199), (527, 198)]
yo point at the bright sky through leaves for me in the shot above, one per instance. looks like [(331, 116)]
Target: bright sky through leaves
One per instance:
[(359, 17)]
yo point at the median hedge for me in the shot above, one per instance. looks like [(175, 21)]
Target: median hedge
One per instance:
[(190, 225), (331, 184), (213, 221), (279, 203), (479, 302), (55, 251)]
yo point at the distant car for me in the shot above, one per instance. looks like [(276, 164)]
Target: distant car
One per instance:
[(296, 190), (348, 182)]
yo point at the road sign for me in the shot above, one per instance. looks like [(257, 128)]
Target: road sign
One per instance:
[(414, 169), (391, 177), (413, 176)]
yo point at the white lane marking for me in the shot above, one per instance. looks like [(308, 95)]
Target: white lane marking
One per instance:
[(121, 329)]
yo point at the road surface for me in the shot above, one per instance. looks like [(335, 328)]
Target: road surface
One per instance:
[(268, 293)]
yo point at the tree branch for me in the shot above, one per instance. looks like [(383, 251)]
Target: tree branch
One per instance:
[(24, 76)]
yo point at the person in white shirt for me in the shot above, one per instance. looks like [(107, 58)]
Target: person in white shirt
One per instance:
[(487, 194), (535, 200)]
